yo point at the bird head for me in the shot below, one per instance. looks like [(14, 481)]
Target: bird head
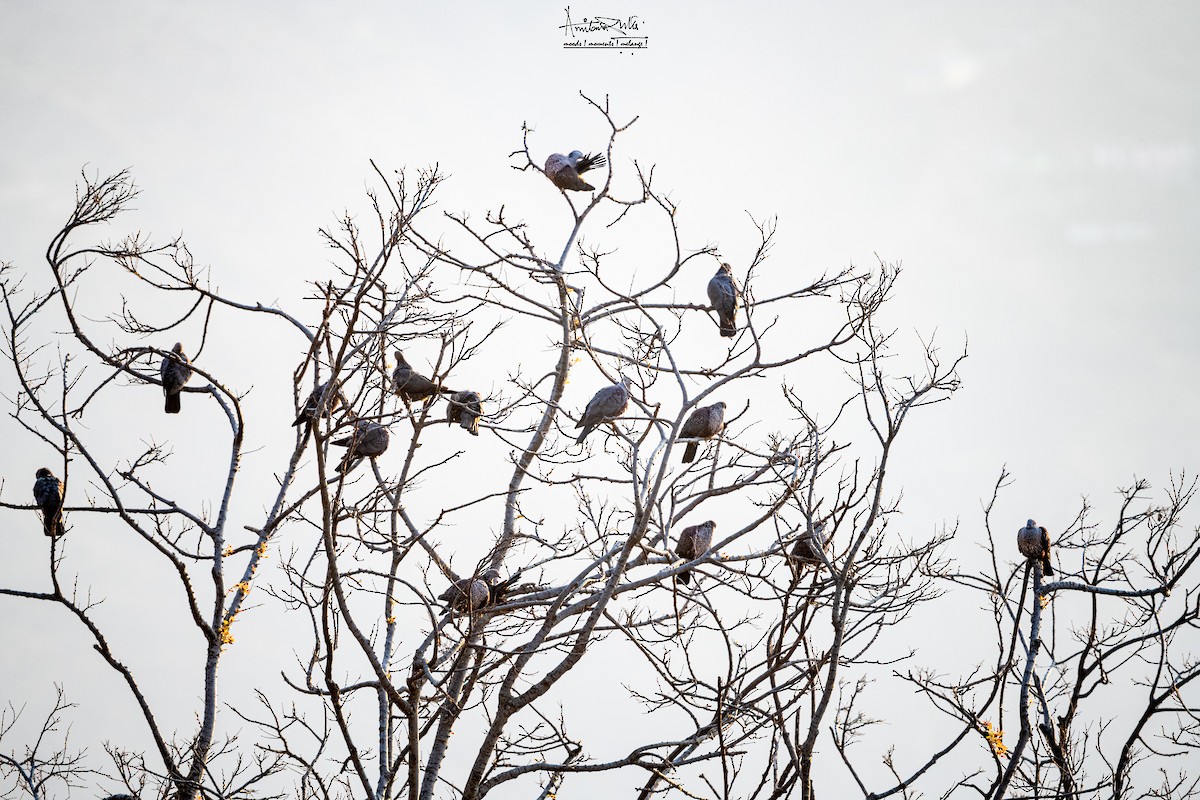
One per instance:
[(1030, 523), (44, 473), (574, 157), (491, 576), (711, 524), (178, 348)]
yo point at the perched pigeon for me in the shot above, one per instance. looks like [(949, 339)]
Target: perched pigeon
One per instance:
[(704, 423), (808, 548), (175, 372), (476, 593), (724, 295), (693, 543), (321, 402), (564, 171), (605, 406), (469, 595), (368, 440), (48, 494), (1034, 542), (465, 409), (410, 386)]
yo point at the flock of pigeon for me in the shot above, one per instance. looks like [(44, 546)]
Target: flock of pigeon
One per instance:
[(369, 439)]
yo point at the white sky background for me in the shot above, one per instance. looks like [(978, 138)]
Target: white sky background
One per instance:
[(1034, 168)]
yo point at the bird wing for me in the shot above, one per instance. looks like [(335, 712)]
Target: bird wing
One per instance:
[(590, 161), (686, 546)]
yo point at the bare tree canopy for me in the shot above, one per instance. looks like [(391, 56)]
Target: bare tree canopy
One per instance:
[(745, 617)]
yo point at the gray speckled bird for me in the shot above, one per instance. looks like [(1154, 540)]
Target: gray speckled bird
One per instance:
[(724, 295), (605, 406), (321, 402), (465, 409), (693, 543), (176, 370), (806, 552), (369, 439), (704, 423), (469, 595), (564, 171), (48, 494), (412, 386), (1034, 542)]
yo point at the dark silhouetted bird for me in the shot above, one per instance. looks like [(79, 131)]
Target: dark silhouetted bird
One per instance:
[(704, 423), (1034, 542), (369, 439), (411, 386), (605, 406), (176, 370), (48, 494), (465, 409), (564, 171), (724, 295), (806, 552), (321, 402), (693, 543)]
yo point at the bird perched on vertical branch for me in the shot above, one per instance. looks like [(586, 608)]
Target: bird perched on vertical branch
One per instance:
[(724, 295), (368, 440), (564, 171), (1034, 542), (807, 550), (704, 423), (605, 406), (176, 370), (693, 543), (465, 409), (321, 402), (48, 495), (411, 386)]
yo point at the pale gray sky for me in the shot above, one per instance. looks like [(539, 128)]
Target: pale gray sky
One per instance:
[(1034, 166)]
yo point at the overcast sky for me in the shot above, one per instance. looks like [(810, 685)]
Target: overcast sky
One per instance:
[(1034, 167)]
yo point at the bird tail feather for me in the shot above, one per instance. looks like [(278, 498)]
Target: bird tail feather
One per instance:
[(172, 403), (689, 453), (1046, 568)]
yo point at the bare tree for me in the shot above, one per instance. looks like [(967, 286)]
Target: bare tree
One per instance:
[(504, 587)]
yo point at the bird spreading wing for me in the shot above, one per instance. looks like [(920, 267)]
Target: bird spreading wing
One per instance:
[(724, 295), (693, 543), (176, 370), (704, 423), (564, 171), (605, 406), (48, 495)]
